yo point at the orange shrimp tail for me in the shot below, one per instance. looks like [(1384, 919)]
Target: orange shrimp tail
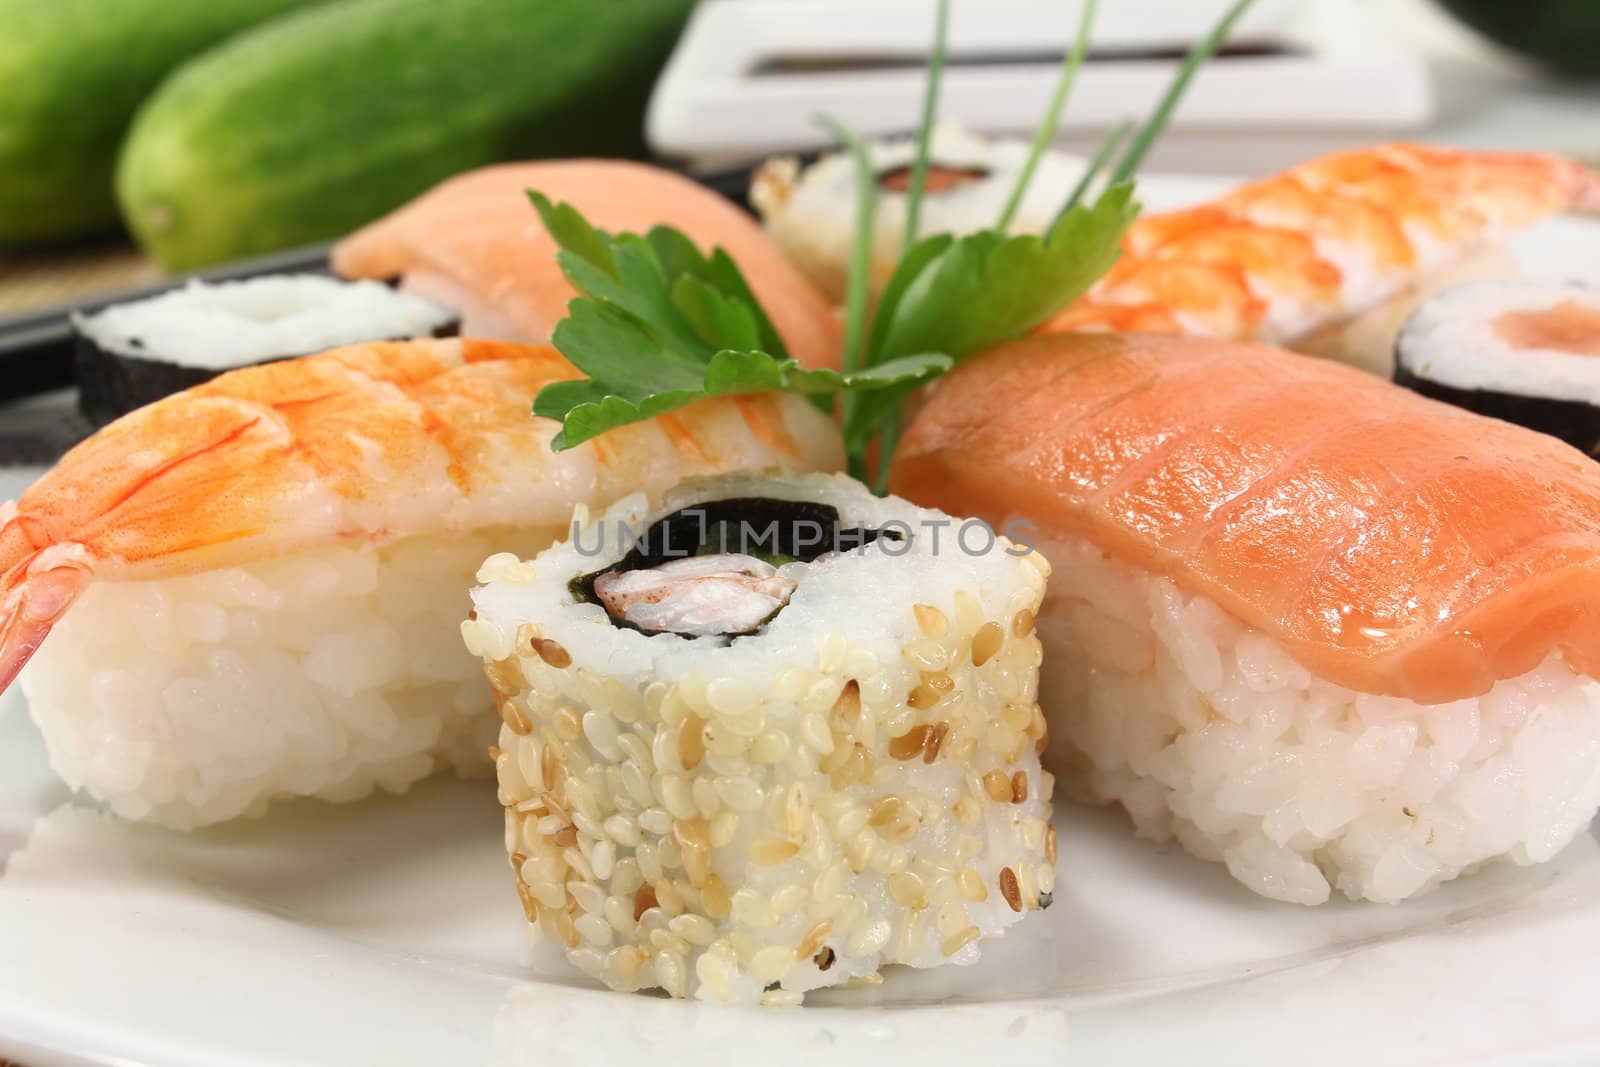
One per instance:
[(37, 585)]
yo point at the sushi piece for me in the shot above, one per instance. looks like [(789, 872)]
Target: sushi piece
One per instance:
[(1330, 256), (810, 212), (474, 244), (809, 750), (251, 589), (1314, 626), (133, 354), (1520, 352)]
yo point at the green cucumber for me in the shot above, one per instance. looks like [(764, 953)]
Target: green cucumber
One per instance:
[(305, 128), (72, 72)]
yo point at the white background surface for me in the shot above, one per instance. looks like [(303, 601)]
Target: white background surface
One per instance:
[(1486, 97)]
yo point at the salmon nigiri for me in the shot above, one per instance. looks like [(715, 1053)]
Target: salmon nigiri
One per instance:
[(475, 244), (1310, 624), (252, 589), (1360, 233)]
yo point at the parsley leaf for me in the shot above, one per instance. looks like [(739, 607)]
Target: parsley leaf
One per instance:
[(961, 295), (659, 325)]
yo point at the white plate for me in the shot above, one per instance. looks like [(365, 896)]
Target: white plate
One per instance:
[(387, 932)]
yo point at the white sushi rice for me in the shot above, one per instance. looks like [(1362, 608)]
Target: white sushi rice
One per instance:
[(231, 324), (1452, 340), (1207, 731), (191, 700), (737, 821), (811, 213)]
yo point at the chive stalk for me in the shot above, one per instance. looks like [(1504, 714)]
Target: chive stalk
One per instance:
[(930, 108), (1159, 118), (1052, 116)]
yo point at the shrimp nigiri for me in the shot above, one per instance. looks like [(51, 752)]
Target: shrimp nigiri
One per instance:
[(1307, 622), (251, 589), (474, 244), (1294, 254)]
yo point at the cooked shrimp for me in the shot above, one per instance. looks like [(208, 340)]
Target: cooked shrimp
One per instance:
[(1280, 258), (269, 569)]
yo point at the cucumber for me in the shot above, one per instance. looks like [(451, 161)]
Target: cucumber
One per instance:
[(71, 74), (307, 127), (1563, 34)]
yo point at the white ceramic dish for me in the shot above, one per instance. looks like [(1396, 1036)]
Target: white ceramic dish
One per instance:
[(386, 932)]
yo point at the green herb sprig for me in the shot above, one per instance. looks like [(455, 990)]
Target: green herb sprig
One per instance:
[(658, 324)]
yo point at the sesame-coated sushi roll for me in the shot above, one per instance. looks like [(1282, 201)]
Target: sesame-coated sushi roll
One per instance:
[(770, 739)]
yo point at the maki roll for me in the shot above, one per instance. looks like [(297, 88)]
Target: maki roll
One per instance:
[(133, 354), (770, 739), (1523, 352), (810, 212)]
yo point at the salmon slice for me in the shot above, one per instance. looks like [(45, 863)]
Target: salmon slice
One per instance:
[(475, 244), (1391, 544)]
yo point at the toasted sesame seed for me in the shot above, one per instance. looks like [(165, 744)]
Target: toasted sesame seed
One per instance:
[(668, 899), (552, 653), (514, 717), (907, 890), (832, 653), (731, 697), (625, 961), (566, 836), (1026, 885), (791, 683), (930, 751), (1019, 787), (691, 743), (923, 697), (910, 936), (958, 941), (714, 974), (643, 901), (939, 681), (741, 794), (847, 708), (595, 930), (714, 898), (869, 939), (931, 621), (771, 963), (506, 676), (950, 918), (768, 851), (986, 642), (814, 732), (724, 826), (670, 973), (567, 725), (824, 958), (527, 634), (695, 929), (813, 940), (691, 833), (1009, 889), (1050, 845), (970, 883), (997, 786), (909, 744), (1022, 623)]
